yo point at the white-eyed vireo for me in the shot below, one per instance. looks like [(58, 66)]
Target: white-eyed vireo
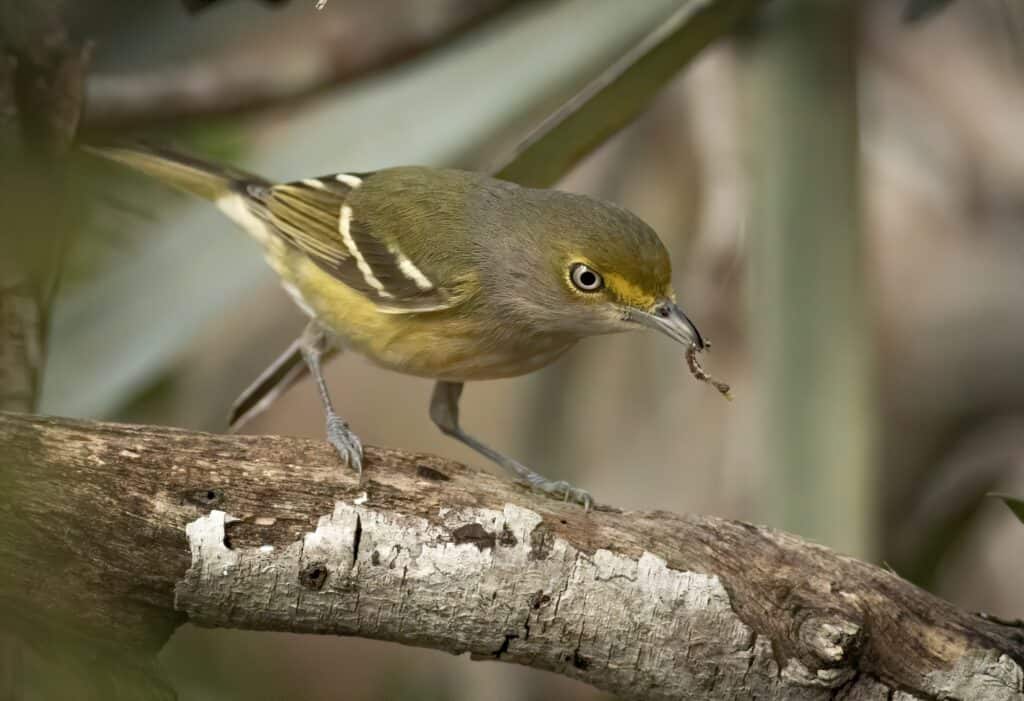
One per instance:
[(438, 273)]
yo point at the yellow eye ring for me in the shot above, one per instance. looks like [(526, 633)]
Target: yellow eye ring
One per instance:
[(585, 278)]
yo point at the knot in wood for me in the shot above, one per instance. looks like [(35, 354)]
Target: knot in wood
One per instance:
[(313, 576), (832, 640)]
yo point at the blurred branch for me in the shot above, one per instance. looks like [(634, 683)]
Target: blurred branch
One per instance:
[(811, 332), (45, 69), (917, 10), (41, 73), (622, 92), (197, 5), (21, 344), (307, 53), (152, 524), (20, 330)]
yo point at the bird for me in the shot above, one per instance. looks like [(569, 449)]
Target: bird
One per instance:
[(445, 274)]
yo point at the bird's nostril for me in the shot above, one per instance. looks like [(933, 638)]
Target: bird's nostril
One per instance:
[(663, 311)]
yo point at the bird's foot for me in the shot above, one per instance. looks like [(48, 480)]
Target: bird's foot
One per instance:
[(348, 445), (566, 492)]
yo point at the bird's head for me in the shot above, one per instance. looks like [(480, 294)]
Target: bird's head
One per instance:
[(592, 267)]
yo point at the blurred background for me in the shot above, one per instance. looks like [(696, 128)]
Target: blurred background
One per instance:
[(842, 192)]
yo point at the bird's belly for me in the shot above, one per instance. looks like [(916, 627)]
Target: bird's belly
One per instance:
[(445, 348), (493, 364), (439, 345)]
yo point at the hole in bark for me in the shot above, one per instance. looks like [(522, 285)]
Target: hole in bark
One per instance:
[(313, 576), (429, 473), (507, 538), (538, 600), (205, 497), (475, 534), (375, 558), (355, 540)]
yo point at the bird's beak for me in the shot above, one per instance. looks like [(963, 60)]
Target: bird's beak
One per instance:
[(670, 320)]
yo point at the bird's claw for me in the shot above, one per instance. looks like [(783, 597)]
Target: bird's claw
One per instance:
[(567, 492), (348, 445)]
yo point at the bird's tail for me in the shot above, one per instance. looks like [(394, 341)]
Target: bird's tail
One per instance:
[(207, 180), (232, 191)]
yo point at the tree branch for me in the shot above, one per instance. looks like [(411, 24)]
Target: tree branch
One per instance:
[(42, 71), (152, 526), (300, 55), (621, 92), (41, 75)]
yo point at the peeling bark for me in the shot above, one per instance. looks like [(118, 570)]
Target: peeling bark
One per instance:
[(151, 526)]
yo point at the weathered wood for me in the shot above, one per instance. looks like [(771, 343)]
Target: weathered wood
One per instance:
[(135, 529)]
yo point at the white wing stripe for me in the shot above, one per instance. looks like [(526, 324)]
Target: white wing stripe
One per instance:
[(350, 180), (364, 267), (410, 270)]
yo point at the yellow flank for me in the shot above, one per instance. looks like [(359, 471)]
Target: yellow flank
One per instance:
[(629, 293), (442, 345)]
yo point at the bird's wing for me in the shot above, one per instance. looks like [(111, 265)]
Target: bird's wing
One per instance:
[(313, 216)]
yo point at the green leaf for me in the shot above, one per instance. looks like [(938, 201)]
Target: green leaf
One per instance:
[(617, 96), (1013, 504)]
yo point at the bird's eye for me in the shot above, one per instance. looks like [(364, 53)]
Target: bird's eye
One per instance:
[(585, 279)]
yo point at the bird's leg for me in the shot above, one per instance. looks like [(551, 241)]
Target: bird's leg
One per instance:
[(444, 411), (314, 343)]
